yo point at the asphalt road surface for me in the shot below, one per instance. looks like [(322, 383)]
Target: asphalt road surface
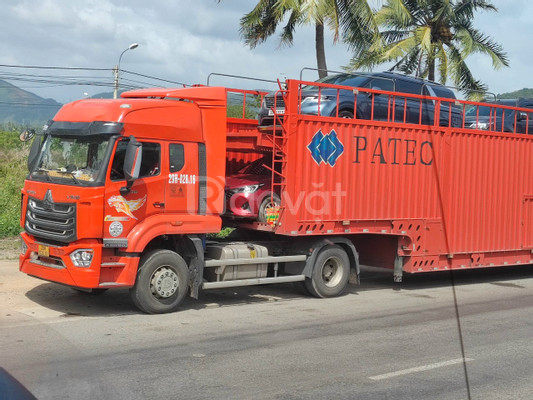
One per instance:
[(378, 341)]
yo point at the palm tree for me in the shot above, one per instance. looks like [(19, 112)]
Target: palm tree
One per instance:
[(422, 36), (351, 19)]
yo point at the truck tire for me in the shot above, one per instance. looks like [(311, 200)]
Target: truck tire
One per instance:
[(162, 282), (330, 272), (268, 202), (346, 114)]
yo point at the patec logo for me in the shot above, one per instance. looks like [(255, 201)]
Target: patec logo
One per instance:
[(325, 148)]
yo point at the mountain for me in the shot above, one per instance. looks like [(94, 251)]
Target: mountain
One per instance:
[(24, 108), (516, 94)]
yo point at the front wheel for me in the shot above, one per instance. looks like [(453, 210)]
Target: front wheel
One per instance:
[(269, 203), (162, 282), (330, 272)]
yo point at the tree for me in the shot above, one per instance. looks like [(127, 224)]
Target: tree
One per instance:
[(351, 19), (422, 36)]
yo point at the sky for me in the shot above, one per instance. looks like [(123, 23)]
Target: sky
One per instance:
[(183, 41)]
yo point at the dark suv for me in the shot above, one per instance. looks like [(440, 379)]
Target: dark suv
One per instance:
[(488, 117), (323, 100)]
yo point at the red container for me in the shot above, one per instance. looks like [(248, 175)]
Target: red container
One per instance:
[(439, 197)]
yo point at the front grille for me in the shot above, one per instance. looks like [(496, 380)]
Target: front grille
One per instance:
[(49, 220), (280, 102)]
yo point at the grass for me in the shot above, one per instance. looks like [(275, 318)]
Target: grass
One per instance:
[(13, 171)]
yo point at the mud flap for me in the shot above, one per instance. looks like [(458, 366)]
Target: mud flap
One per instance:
[(196, 267), (398, 269)]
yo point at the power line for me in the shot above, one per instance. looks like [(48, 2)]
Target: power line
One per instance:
[(55, 68)]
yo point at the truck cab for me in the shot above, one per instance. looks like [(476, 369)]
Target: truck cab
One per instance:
[(110, 178)]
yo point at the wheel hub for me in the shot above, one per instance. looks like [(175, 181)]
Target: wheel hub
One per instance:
[(164, 282), (330, 272)]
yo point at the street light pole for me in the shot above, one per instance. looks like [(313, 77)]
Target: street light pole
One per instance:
[(117, 67)]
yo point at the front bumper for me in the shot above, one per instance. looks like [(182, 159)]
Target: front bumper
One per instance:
[(242, 205), (106, 269)]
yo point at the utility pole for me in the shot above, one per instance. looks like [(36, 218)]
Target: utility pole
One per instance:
[(117, 68)]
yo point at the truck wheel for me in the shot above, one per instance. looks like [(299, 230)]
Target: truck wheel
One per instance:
[(330, 272), (268, 202), (162, 282)]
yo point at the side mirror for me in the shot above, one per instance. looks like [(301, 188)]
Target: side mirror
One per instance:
[(522, 116), (132, 163), (26, 135), (34, 152)]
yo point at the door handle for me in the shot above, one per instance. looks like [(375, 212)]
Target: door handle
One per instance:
[(159, 205)]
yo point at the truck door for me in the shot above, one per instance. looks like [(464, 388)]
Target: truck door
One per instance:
[(146, 197), (182, 194)]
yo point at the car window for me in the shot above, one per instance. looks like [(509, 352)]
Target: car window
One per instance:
[(408, 86), (382, 84), (443, 92), (355, 81), (256, 167)]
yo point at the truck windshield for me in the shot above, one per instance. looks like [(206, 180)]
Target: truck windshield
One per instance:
[(74, 159)]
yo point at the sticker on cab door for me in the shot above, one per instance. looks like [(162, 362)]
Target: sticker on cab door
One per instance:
[(126, 206), (183, 179)]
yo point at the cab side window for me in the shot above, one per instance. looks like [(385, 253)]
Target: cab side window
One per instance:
[(151, 160), (176, 157), (117, 168), (150, 164)]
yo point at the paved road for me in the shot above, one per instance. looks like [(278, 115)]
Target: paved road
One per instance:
[(379, 341)]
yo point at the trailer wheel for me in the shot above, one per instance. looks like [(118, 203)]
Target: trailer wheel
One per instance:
[(269, 201), (330, 272), (162, 282)]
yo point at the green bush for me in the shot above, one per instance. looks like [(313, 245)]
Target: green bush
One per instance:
[(13, 171)]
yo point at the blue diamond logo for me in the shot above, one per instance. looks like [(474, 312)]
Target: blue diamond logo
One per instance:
[(325, 148), (313, 146)]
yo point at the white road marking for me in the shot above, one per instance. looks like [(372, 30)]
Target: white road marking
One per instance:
[(419, 369)]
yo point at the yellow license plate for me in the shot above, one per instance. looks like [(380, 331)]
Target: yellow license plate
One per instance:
[(44, 251)]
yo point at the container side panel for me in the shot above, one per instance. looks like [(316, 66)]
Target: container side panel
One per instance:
[(488, 178), (356, 171)]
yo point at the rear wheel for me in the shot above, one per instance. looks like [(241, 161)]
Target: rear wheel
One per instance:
[(330, 272), (346, 114), (162, 282)]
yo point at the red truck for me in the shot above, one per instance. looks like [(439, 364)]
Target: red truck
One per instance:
[(122, 193)]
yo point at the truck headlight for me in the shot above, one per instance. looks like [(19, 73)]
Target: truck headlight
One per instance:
[(82, 257)]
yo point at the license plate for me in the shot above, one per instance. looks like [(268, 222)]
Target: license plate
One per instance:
[(278, 112), (44, 251)]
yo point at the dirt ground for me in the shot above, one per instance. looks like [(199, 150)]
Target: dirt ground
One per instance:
[(9, 248)]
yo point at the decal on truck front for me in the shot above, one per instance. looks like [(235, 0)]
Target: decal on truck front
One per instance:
[(126, 206)]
